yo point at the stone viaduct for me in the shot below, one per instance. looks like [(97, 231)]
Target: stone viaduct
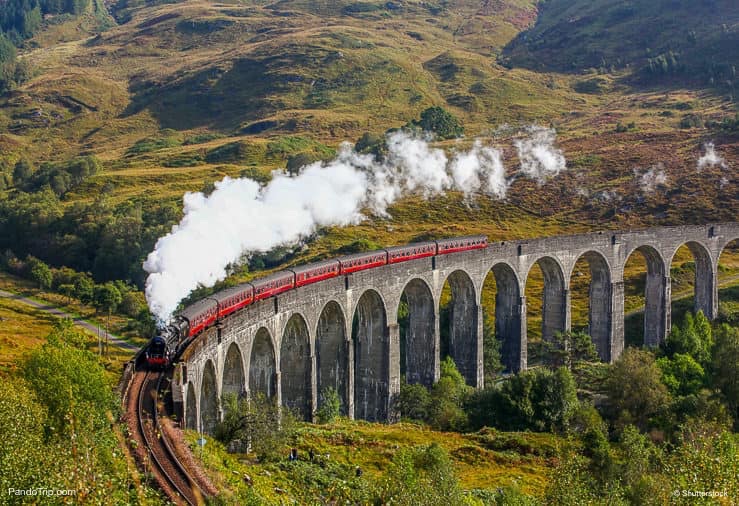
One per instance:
[(344, 333)]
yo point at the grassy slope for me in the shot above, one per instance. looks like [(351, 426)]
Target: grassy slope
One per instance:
[(371, 447), (576, 35)]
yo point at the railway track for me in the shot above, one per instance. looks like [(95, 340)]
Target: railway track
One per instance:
[(154, 450)]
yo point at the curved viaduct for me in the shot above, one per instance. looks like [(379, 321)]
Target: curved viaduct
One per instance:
[(343, 332)]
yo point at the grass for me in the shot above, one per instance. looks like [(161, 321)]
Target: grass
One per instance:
[(485, 460)]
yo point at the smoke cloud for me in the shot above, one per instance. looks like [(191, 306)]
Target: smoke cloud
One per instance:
[(649, 180), (710, 158), (240, 216), (540, 160)]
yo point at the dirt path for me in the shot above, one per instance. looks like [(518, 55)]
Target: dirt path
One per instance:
[(62, 314)]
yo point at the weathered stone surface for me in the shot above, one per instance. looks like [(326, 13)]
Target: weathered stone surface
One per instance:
[(292, 346)]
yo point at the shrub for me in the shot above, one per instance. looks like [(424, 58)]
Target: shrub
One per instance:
[(330, 408), (440, 122)]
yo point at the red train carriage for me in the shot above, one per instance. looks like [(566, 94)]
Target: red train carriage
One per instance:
[(410, 252), (362, 261), (272, 285), (312, 273), (233, 299), (201, 314), (462, 244)]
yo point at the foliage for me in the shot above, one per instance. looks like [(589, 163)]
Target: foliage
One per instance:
[(569, 348), (537, 399), (724, 368), (414, 401), (635, 389), (682, 374), (70, 382), (439, 121), (419, 476), (107, 297), (61, 177), (39, 272), (491, 360), (330, 407), (694, 338), (255, 425)]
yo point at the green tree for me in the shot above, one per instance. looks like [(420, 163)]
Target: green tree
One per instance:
[(107, 297), (569, 348), (22, 421), (682, 374), (635, 389), (414, 401), (725, 367), (441, 122), (421, 475), (330, 405), (296, 162), (491, 360), (447, 396), (7, 63), (70, 382), (22, 171), (84, 288), (39, 272), (693, 338)]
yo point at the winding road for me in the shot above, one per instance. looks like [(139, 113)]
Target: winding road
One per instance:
[(47, 308)]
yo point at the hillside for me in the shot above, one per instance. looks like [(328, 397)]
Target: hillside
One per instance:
[(114, 128), (696, 42)]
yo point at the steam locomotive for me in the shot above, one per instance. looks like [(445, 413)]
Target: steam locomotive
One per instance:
[(187, 324)]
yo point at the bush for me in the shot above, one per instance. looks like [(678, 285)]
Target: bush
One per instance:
[(330, 408), (440, 122)]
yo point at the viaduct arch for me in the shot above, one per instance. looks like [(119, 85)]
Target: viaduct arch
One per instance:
[(343, 333)]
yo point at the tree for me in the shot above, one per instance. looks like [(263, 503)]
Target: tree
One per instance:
[(635, 389), (414, 401), (84, 287), (39, 272), (492, 365), (330, 406), (682, 374), (22, 171), (569, 348), (447, 396), (106, 298), (296, 162), (694, 338), (725, 367), (7, 63), (441, 122)]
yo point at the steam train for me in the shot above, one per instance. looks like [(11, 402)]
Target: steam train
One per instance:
[(192, 320)]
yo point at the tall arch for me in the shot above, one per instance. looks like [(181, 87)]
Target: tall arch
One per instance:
[(371, 358), (508, 318), (419, 347), (208, 399), (295, 380), (332, 358), (727, 263), (465, 341), (191, 416), (262, 370), (704, 281), (656, 296), (599, 302), (233, 372)]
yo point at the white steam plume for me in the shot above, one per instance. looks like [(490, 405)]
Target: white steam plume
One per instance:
[(240, 216), (540, 160), (649, 180), (710, 158)]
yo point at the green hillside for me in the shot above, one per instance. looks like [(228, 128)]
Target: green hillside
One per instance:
[(697, 42)]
